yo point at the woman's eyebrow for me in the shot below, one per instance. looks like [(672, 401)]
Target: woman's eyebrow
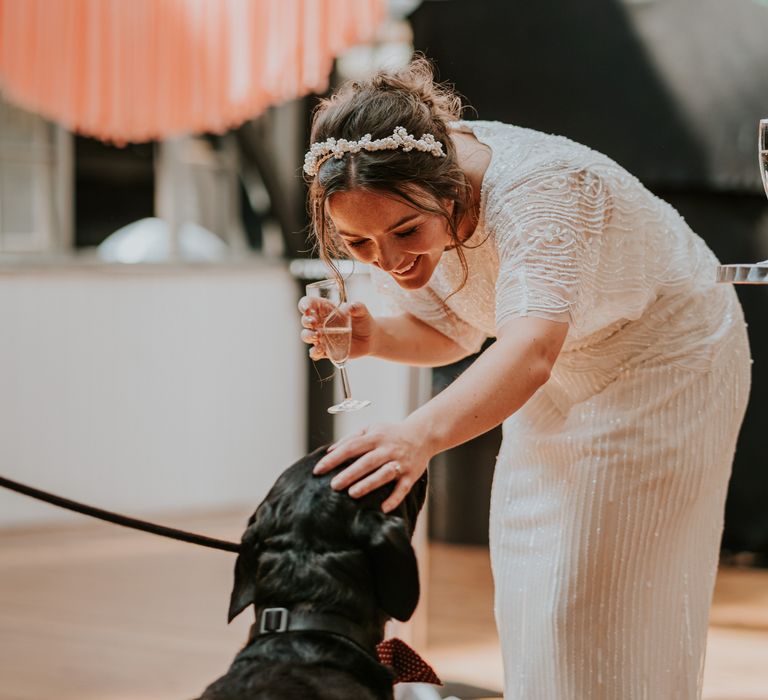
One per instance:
[(399, 222)]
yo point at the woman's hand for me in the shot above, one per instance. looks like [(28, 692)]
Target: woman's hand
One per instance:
[(384, 453), (313, 311)]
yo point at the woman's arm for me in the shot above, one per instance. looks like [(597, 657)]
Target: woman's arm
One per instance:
[(408, 340), (499, 382), (401, 338)]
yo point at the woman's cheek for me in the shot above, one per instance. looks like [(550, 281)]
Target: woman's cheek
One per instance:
[(360, 253)]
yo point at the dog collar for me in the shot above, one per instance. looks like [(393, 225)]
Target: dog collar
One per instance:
[(277, 620), (406, 665)]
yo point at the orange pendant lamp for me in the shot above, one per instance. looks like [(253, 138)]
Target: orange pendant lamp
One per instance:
[(135, 70)]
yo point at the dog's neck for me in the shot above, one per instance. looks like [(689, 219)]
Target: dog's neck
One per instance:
[(274, 620)]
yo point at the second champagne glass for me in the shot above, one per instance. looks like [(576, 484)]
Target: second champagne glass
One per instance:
[(762, 147), (336, 336)]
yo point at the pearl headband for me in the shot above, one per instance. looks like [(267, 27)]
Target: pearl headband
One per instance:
[(321, 151)]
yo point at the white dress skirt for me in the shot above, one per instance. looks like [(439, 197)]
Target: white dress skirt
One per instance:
[(605, 528), (609, 490)]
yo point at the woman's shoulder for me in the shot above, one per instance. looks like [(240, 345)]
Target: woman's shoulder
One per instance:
[(525, 162), (504, 134), (518, 152)]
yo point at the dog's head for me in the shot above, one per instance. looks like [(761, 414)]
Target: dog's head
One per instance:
[(309, 545)]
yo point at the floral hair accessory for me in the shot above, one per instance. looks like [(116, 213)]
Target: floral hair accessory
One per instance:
[(321, 151)]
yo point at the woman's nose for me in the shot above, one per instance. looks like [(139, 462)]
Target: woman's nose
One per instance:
[(387, 258)]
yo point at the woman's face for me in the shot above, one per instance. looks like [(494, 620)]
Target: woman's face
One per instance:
[(387, 232)]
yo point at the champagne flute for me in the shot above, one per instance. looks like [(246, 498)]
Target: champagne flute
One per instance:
[(762, 145), (336, 337), (756, 273)]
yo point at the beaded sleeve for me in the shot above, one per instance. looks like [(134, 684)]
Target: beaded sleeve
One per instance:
[(548, 233)]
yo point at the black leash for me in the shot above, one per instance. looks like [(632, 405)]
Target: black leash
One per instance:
[(118, 519)]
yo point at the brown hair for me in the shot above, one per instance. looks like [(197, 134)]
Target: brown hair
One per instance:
[(409, 98)]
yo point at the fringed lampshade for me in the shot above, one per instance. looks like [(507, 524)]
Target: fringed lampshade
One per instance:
[(135, 70)]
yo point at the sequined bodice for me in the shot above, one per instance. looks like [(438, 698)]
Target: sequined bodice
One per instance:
[(566, 234)]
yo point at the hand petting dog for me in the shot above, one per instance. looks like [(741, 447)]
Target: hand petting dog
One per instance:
[(381, 454)]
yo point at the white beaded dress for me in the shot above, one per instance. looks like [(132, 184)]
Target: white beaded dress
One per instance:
[(609, 489)]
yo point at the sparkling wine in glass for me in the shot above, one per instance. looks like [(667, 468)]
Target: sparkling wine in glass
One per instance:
[(336, 337)]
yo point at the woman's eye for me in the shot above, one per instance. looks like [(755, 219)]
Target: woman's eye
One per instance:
[(405, 234), (357, 244)]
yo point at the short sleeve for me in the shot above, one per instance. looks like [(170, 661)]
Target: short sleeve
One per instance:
[(427, 306), (548, 232)]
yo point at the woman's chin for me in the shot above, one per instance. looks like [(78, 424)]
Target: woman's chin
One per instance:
[(410, 283), (413, 281)]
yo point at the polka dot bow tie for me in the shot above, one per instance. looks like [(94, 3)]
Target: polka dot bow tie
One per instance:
[(407, 665)]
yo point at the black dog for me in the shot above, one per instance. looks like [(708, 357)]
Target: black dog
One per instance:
[(324, 573)]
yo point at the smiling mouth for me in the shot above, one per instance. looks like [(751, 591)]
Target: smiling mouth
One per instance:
[(407, 268)]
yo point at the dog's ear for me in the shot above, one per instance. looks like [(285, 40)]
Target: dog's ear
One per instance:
[(244, 589), (395, 571)]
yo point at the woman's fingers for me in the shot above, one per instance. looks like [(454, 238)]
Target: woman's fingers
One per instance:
[(398, 494), (387, 472), (380, 455), (310, 335), (309, 319), (342, 451), (312, 338), (313, 306), (308, 304), (312, 309), (359, 469)]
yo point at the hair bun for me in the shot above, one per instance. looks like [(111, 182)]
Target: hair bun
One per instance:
[(418, 79)]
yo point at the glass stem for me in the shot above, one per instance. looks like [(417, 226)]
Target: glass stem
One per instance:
[(345, 382)]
